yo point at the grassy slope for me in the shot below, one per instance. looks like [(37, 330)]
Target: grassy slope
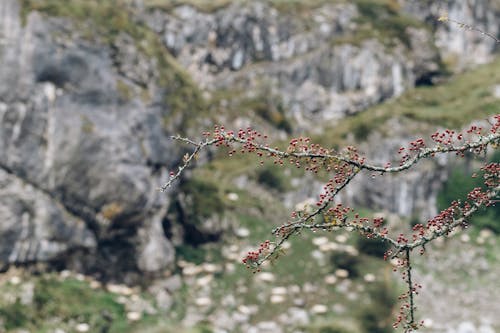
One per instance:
[(453, 104), (60, 303)]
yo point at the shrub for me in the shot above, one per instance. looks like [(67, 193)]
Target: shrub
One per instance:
[(190, 253), (372, 246), (14, 315), (346, 261), (204, 199), (272, 177)]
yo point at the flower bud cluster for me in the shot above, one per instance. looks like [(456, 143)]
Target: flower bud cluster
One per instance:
[(252, 257), (491, 174)]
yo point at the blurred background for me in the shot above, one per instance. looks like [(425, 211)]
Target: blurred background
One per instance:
[(91, 90)]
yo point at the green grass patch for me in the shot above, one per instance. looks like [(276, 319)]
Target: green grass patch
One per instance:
[(333, 327), (199, 254), (108, 18), (206, 6), (64, 303), (74, 299), (383, 20), (298, 6)]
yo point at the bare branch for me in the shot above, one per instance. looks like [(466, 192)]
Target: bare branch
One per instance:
[(228, 139), (445, 18), (187, 159)]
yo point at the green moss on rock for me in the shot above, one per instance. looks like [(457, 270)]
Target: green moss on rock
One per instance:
[(124, 91), (383, 20), (104, 21)]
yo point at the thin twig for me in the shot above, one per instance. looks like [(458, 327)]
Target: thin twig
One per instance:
[(445, 18), (188, 158), (411, 322)]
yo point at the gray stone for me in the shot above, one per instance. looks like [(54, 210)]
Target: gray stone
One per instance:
[(34, 226), (81, 156), (173, 283), (486, 329), (466, 327), (455, 43), (163, 299), (27, 293)]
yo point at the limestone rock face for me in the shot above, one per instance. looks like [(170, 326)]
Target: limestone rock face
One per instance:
[(316, 60), (35, 226), (80, 159), (457, 45)]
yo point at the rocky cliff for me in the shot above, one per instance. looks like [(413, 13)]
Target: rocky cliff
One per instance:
[(324, 60), (90, 92), (83, 148)]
